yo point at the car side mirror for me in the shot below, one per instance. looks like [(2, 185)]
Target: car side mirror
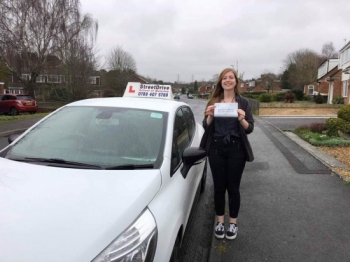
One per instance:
[(12, 138), (192, 156)]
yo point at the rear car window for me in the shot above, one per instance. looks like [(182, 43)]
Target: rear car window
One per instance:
[(23, 97)]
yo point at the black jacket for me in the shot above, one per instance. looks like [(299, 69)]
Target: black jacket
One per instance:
[(209, 129)]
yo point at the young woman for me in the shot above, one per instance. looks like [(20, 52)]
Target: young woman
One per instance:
[(226, 142)]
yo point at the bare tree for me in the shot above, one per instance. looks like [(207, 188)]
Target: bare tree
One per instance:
[(214, 78), (31, 31), (328, 51), (78, 64), (267, 80), (118, 59), (122, 67), (302, 66)]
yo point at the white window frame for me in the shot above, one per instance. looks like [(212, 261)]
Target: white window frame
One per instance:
[(93, 80), (40, 79), (345, 89), (345, 56), (309, 88), (55, 79), (25, 77), (242, 84)]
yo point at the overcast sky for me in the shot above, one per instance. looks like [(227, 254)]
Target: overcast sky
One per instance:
[(193, 40)]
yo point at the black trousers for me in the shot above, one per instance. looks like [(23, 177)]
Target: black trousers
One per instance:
[(227, 162)]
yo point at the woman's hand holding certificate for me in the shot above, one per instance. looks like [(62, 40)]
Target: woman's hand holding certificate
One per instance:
[(226, 110)]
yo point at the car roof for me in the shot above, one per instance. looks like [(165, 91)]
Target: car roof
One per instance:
[(10, 94), (132, 102)]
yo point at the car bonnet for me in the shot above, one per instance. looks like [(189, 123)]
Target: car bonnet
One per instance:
[(60, 214)]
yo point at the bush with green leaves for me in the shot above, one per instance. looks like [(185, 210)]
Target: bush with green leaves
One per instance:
[(299, 94), (318, 139), (335, 124), (338, 100), (278, 97), (344, 112), (59, 94), (265, 98)]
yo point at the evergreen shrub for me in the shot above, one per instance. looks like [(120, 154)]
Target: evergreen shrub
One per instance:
[(335, 124), (265, 98), (299, 94), (338, 100), (278, 97), (344, 112)]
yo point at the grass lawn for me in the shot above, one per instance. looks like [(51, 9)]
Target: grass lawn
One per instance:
[(4, 118)]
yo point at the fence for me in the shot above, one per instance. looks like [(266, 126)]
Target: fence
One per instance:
[(254, 105)]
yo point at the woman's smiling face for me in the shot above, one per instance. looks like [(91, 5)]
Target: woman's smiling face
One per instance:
[(228, 82)]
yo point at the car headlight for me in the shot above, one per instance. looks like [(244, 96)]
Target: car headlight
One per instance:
[(137, 244)]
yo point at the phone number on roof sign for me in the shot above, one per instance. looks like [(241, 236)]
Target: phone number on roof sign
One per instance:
[(152, 94)]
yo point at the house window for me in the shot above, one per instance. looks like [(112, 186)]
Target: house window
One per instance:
[(94, 80), (310, 90), (40, 79), (345, 88), (242, 85), (55, 79), (25, 77), (345, 56)]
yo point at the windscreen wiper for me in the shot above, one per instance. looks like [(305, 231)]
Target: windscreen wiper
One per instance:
[(59, 161), (130, 167)]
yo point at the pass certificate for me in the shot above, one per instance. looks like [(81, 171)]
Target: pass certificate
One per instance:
[(226, 110)]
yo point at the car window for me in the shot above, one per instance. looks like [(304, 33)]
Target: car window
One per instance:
[(104, 136), (23, 97), (7, 97), (188, 114), (181, 139), (1, 96)]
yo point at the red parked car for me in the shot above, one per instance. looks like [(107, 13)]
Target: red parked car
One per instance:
[(14, 104)]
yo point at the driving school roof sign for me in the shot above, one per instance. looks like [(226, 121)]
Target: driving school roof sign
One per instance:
[(135, 89)]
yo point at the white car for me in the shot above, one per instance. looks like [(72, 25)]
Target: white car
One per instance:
[(105, 179)]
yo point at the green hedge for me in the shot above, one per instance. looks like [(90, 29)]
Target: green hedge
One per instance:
[(344, 112), (335, 124), (265, 98)]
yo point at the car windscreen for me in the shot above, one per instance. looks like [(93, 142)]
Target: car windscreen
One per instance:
[(101, 136), (23, 97)]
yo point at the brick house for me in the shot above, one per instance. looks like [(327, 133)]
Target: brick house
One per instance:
[(243, 86), (344, 66), (205, 90), (260, 85), (51, 79), (328, 81)]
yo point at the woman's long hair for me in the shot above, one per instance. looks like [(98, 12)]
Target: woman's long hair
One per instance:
[(218, 93)]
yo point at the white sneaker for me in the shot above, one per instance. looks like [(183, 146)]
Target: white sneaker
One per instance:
[(232, 232), (220, 230)]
